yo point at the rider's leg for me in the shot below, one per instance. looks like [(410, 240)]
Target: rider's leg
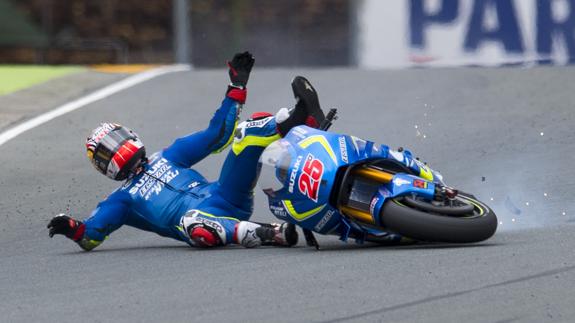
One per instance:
[(204, 229), (306, 110), (240, 170)]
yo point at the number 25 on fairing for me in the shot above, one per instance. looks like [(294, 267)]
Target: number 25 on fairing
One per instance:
[(310, 177)]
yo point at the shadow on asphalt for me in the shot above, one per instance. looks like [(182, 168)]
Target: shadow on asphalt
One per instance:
[(417, 246), (327, 247), (132, 248)]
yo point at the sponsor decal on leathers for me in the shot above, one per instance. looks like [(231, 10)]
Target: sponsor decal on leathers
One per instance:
[(148, 184)]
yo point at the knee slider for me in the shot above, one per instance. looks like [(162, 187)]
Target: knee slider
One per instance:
[(202, 231), (203, 236)]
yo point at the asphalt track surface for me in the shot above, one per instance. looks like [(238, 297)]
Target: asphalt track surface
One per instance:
[(481, 127)]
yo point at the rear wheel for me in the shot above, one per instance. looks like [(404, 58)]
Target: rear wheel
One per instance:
[(464, 219)]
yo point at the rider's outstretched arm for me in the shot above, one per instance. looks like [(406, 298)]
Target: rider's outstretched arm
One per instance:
[(109, 216), (190, 149)]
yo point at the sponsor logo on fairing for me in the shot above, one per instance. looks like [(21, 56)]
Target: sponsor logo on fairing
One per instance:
[(419, 183), (278, 211), (310, 178), (401, 182), (194, 184), (319, 226), (293, 173), (373, 204), (343, 149)]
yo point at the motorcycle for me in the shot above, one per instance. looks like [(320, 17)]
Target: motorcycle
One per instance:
[(336, 184)]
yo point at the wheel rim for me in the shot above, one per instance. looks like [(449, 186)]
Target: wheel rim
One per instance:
[(462, 208)]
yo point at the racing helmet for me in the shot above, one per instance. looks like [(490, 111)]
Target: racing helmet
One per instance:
[(115, 150)]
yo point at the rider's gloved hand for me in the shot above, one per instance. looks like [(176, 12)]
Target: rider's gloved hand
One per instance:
[(239, 69), (65, 225)]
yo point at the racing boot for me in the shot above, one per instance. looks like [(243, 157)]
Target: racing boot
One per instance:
[(306, 110), (251, 234)]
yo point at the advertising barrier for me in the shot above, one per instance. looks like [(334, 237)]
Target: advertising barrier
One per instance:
[(393, 34)]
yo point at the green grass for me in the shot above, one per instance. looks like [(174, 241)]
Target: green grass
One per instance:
[(18, 77)]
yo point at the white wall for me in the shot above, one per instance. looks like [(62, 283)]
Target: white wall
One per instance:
[(503, 32)]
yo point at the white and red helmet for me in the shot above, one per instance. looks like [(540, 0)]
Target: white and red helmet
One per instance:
[(115, 150)]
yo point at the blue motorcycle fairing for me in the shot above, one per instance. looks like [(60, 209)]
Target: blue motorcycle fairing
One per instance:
[(401, 185), (312, 159)]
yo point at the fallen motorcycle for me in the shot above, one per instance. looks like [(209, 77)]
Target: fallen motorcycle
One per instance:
[(342, 185)]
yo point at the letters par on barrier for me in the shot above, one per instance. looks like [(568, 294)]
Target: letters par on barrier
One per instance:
[(456, 32)]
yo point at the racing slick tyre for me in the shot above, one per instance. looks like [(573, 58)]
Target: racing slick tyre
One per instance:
[(413, 220)]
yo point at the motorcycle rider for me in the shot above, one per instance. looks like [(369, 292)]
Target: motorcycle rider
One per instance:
[(164, 195)]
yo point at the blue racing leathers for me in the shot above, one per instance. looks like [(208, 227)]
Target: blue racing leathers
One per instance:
[(167, 192)]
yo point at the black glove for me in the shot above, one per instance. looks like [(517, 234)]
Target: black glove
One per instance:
[(240, 68), (63, 224)]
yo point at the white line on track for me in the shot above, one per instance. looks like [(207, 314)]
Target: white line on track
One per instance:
[(90, 98)]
